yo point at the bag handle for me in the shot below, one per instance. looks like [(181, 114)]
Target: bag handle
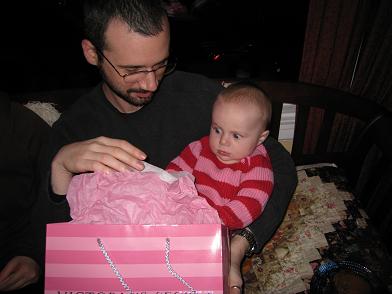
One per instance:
[(113, 266), (167, 261)]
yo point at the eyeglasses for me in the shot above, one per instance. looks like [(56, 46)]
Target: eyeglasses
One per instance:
[(160, 69)]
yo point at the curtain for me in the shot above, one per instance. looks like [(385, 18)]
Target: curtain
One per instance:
[(348, 46)]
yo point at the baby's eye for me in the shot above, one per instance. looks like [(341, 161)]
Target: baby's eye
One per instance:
[(236, 136), (216, 130)]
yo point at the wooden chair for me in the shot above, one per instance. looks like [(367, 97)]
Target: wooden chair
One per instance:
[(330, 102), (367, 158)]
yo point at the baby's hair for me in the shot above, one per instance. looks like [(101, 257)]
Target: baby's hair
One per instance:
[(248, 92)]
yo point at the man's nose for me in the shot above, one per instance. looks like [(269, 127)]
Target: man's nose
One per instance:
[(149, 82)]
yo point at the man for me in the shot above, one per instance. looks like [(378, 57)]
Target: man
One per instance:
[(144, 111)]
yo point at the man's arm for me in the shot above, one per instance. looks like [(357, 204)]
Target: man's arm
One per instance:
[(285, 182)]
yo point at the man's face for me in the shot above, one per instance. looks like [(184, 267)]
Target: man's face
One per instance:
[(128, 52)]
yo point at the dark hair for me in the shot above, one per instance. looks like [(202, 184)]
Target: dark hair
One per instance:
[(142, 16)]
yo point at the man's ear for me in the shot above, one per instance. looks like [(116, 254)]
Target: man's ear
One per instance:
[(263, 137), (89, 51)]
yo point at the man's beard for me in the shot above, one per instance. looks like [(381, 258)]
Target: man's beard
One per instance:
[(126, 96)]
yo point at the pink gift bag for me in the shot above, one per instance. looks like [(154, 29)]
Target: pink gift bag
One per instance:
[(116, 258)]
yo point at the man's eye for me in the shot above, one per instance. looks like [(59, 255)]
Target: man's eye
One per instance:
[(133, 71), (160, 65)]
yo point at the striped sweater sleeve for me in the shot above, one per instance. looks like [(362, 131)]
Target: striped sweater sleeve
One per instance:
[(239, 192), (187, 159), (253, 193)]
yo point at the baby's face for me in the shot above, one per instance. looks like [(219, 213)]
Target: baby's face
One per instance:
[(236, 130)]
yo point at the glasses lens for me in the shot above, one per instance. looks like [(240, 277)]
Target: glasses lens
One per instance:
[(171, 65), (159, 71)]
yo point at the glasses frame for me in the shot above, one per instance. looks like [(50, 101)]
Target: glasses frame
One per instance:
[(126, 76)]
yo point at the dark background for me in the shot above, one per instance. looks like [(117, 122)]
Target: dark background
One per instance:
[(40, 42)]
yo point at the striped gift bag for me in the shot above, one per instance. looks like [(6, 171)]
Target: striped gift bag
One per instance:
[(145, 259)]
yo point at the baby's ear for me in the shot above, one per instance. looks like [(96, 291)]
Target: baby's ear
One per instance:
[(264, 135)]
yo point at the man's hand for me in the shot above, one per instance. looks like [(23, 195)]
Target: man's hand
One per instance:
[(98, 154), (18, 273)]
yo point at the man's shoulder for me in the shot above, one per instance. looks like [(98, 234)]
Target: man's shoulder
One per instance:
[(93, 94), (190, 82), (83, 107)]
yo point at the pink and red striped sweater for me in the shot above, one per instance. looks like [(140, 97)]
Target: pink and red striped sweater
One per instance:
[(239, 191)]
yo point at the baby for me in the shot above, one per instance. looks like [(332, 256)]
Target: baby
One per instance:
[(231, 166)]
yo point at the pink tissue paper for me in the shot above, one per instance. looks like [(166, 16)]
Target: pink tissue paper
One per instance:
[(152, 196)]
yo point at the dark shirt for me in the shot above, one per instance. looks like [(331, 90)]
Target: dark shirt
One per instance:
[(179, 113)]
